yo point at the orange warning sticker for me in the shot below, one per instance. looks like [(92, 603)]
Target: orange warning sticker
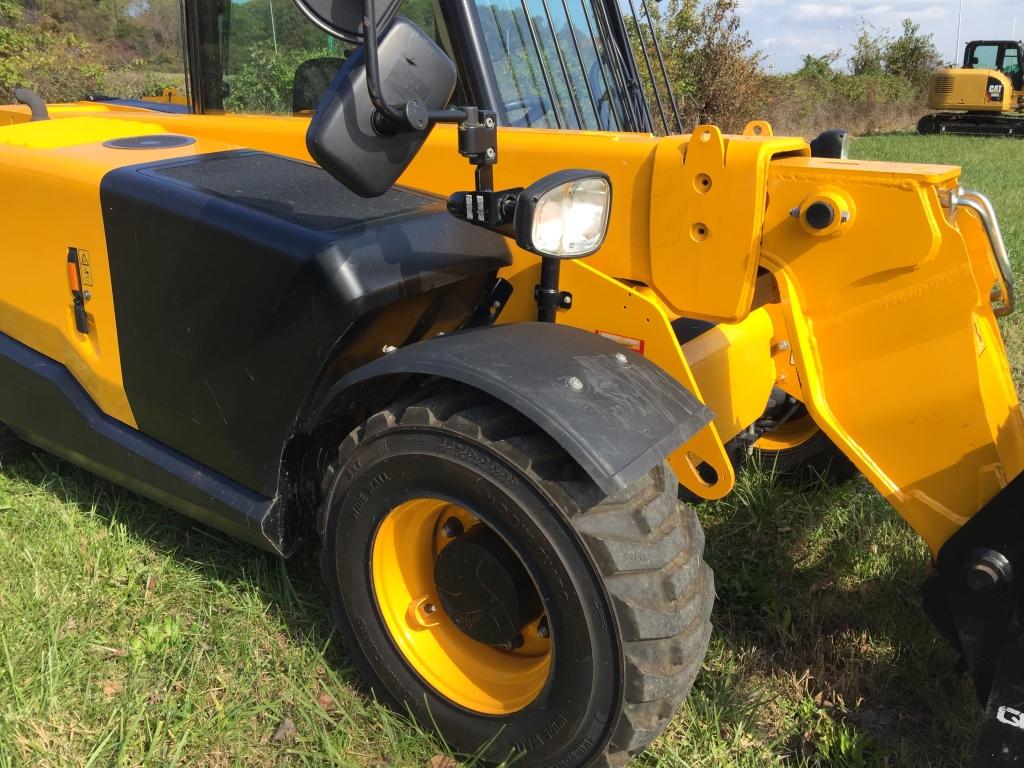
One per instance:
[(85, 266), (637, 345)]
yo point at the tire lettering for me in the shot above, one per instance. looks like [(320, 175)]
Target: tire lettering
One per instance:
[(376, 482), (481, 460), (543, 736), (574, 757), (377, 658)]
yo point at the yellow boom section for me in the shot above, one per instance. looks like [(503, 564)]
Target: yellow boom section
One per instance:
[(895, 339)]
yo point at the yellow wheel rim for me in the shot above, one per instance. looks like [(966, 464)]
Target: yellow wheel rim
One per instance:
[(473, 675), (789, 435)]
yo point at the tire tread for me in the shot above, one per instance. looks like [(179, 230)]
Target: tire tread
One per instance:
[(647, 546)]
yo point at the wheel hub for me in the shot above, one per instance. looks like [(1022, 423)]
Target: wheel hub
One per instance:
[(484, 588)]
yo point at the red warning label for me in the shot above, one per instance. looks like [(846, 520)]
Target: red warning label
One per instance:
[(637, 345)]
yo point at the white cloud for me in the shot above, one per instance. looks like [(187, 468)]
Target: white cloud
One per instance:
[(785, 31)]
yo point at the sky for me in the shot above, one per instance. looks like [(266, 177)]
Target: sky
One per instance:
[(786, 30)]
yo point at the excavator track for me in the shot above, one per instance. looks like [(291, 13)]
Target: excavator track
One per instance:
[(971, 124)]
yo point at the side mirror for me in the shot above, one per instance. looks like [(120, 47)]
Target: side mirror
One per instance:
[(347, 140), (832, 144)]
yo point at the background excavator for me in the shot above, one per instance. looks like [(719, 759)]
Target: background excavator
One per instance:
[(464, 320), (984, 97)]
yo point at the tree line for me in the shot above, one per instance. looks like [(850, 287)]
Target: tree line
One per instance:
[(66, 49)]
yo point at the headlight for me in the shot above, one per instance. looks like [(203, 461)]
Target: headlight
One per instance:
[(565, 214)]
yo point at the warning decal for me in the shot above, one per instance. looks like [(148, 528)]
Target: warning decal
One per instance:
[(637, 345)]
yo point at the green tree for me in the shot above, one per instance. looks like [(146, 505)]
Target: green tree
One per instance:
[(912, 55), (58, 65), (819, 67), (713, 70), (869, 50)]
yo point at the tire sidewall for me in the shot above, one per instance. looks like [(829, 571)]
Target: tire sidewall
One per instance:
[(571, 718)]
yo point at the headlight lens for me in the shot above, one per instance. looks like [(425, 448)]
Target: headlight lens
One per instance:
[(571, 220)]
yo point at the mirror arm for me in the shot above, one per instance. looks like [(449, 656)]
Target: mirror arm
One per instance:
[(387, 118)]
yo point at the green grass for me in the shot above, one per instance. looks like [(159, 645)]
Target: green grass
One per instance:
[(131, 636)]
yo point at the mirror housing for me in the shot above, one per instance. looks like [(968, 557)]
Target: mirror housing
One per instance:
[(831, 144), (344, 18), (347, 138)]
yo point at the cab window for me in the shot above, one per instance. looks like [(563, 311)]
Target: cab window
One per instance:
[(1011, 62), (984, 57), (266, 57), (275, 60), (550, 63)]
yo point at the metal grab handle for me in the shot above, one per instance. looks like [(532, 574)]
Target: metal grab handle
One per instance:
[(981, 205)]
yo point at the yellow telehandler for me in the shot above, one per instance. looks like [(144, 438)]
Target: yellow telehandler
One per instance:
[(476, 345)]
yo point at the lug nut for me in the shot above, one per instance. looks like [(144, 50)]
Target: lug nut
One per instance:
[(429, 609), (513, 644), (452, 528)]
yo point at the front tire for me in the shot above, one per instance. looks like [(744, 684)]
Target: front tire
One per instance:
[(799, 454), (619, 585)]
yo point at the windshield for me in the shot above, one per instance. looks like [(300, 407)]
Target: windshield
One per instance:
[(551, 66), (552, 63)]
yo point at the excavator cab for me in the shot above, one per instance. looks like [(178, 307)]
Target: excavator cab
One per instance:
[(1001, 55)]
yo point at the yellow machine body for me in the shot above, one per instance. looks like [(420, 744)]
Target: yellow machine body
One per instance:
[(881, 323), (973, 90)]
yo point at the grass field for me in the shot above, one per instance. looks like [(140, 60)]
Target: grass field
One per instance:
[(130, 636)]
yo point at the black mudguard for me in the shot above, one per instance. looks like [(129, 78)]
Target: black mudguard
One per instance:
[(615, 412)]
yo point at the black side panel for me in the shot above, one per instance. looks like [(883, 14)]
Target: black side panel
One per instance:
[(235, 277), (41, 401), (615, 412)]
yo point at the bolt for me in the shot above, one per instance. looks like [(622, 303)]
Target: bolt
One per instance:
[(845, 217), (575, 383), (621, 359), (782, 346), (489, 122), (452, 528), (388, 349), (490, 153), (429, 609), (543, 630), (513, 644), (566, 299), (988, 570), (782, 377), (795, 212)]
